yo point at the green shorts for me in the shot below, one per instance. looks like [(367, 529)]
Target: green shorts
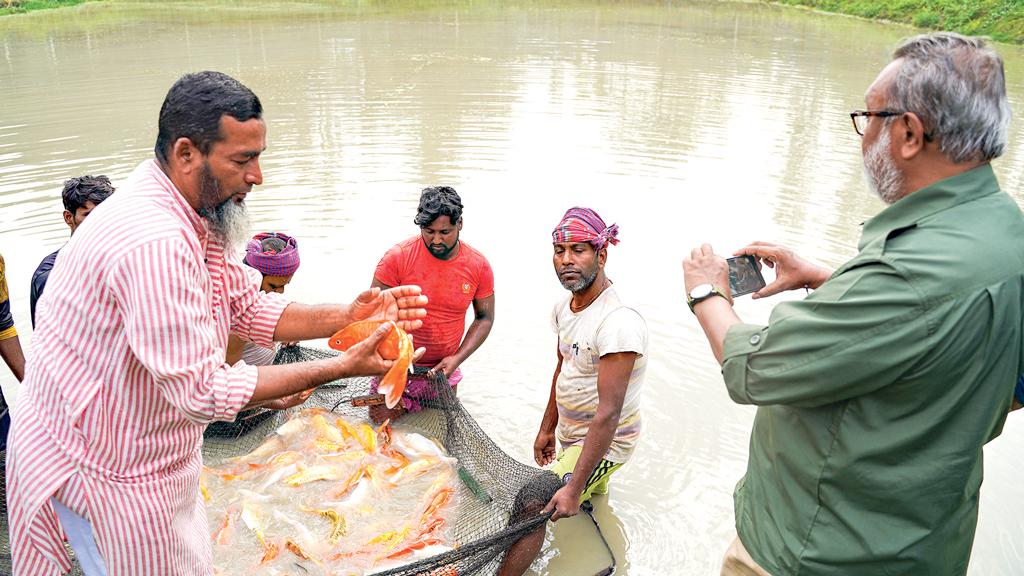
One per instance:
[(565, 463)]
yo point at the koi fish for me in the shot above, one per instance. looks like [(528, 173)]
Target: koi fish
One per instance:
[(304, 534), (390, 539), (325, 445), (438, 501), (226, 475), (384, 435), (401, 460), (413, 547), (223, 534), (280, 459), (414, 470), (417, 446), (367, 437), (396, 346), (268, 448), (296, 549), (351, 482), (314, 474), (275, 476), (252, 521), (292, 427), (202, 487), (347, 430), (325, 430), (338, 525)]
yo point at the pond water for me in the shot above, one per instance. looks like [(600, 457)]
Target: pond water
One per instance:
[(689, 123)]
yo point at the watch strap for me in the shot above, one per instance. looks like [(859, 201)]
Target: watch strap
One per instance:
[(715, 291)]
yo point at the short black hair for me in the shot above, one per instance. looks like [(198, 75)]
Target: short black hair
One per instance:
[(78, 191), (438, 201), (194, 105)]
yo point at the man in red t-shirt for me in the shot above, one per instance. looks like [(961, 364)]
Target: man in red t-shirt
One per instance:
[(452, 275)]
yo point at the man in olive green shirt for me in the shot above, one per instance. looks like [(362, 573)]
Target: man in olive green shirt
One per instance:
[(876, 393)]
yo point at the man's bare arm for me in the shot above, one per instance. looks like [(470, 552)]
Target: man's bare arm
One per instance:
[(483, 320), (10, 350), (544, 445), (234, 351), (404, 304), (279, 381), (612, 382)]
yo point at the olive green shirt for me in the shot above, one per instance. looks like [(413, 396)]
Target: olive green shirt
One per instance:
[(877, 392)]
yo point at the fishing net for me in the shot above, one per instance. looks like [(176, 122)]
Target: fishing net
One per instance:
[(498, 496)]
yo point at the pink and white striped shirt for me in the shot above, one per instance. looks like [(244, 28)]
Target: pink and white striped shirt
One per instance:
[(127, 368)]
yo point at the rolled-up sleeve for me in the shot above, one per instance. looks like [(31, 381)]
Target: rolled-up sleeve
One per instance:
[(855, 334), (7, 329), (158, 288)]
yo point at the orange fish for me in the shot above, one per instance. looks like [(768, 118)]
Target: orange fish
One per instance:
[(396, 346)]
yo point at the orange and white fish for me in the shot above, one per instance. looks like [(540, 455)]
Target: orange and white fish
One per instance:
[(396, 346), (252, 520)]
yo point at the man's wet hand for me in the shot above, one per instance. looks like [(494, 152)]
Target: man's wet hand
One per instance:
[(544, 448), (446, 366), (565, 503), (403, 304), (289, 401), (363, 359)]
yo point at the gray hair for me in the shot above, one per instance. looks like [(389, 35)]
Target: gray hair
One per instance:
[(955, 85)]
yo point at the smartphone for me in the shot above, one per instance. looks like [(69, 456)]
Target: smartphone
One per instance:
[(744, 275)]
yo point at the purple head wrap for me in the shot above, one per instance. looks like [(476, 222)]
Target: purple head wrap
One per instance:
[(584, 225), (270, 262)]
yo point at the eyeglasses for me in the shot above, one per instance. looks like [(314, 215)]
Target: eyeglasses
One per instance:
[(860, 120)]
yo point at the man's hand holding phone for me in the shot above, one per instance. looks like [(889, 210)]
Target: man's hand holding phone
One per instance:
[(791, 271), (706, 276), (705, 267), (744, 275)]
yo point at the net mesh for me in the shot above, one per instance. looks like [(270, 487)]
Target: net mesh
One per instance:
[(498, 499)]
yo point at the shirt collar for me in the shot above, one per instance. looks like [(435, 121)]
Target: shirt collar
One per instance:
[(918, 205), (178, 202)]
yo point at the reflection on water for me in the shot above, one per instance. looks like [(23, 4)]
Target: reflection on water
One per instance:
[(699, 122)]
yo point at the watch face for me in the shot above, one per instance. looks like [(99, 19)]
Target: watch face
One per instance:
[(701, 291)]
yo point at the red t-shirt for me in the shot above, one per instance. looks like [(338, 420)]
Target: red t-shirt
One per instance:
[(450, 287)]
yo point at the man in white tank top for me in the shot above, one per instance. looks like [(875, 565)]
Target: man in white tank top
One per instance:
[(594, 406)]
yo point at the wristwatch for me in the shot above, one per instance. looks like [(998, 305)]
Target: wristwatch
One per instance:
[(702, 292)]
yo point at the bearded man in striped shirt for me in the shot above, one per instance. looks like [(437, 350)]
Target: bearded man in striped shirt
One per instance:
[(128, 352)]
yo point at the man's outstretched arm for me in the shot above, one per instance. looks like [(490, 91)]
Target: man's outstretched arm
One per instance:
[(404, 304)]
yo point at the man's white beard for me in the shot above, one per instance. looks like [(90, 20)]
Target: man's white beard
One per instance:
[(884, 179), (229, 222)]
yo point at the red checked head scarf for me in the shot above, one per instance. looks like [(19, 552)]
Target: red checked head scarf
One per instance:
[(584, 225)]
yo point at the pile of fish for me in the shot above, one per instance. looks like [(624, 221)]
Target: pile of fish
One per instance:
[(325, 496)]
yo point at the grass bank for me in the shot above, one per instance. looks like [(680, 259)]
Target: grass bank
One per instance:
[(20, 6), (1002, 20)]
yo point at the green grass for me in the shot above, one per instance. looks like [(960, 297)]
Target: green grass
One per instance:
[(1002, 20), (20, 6)]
